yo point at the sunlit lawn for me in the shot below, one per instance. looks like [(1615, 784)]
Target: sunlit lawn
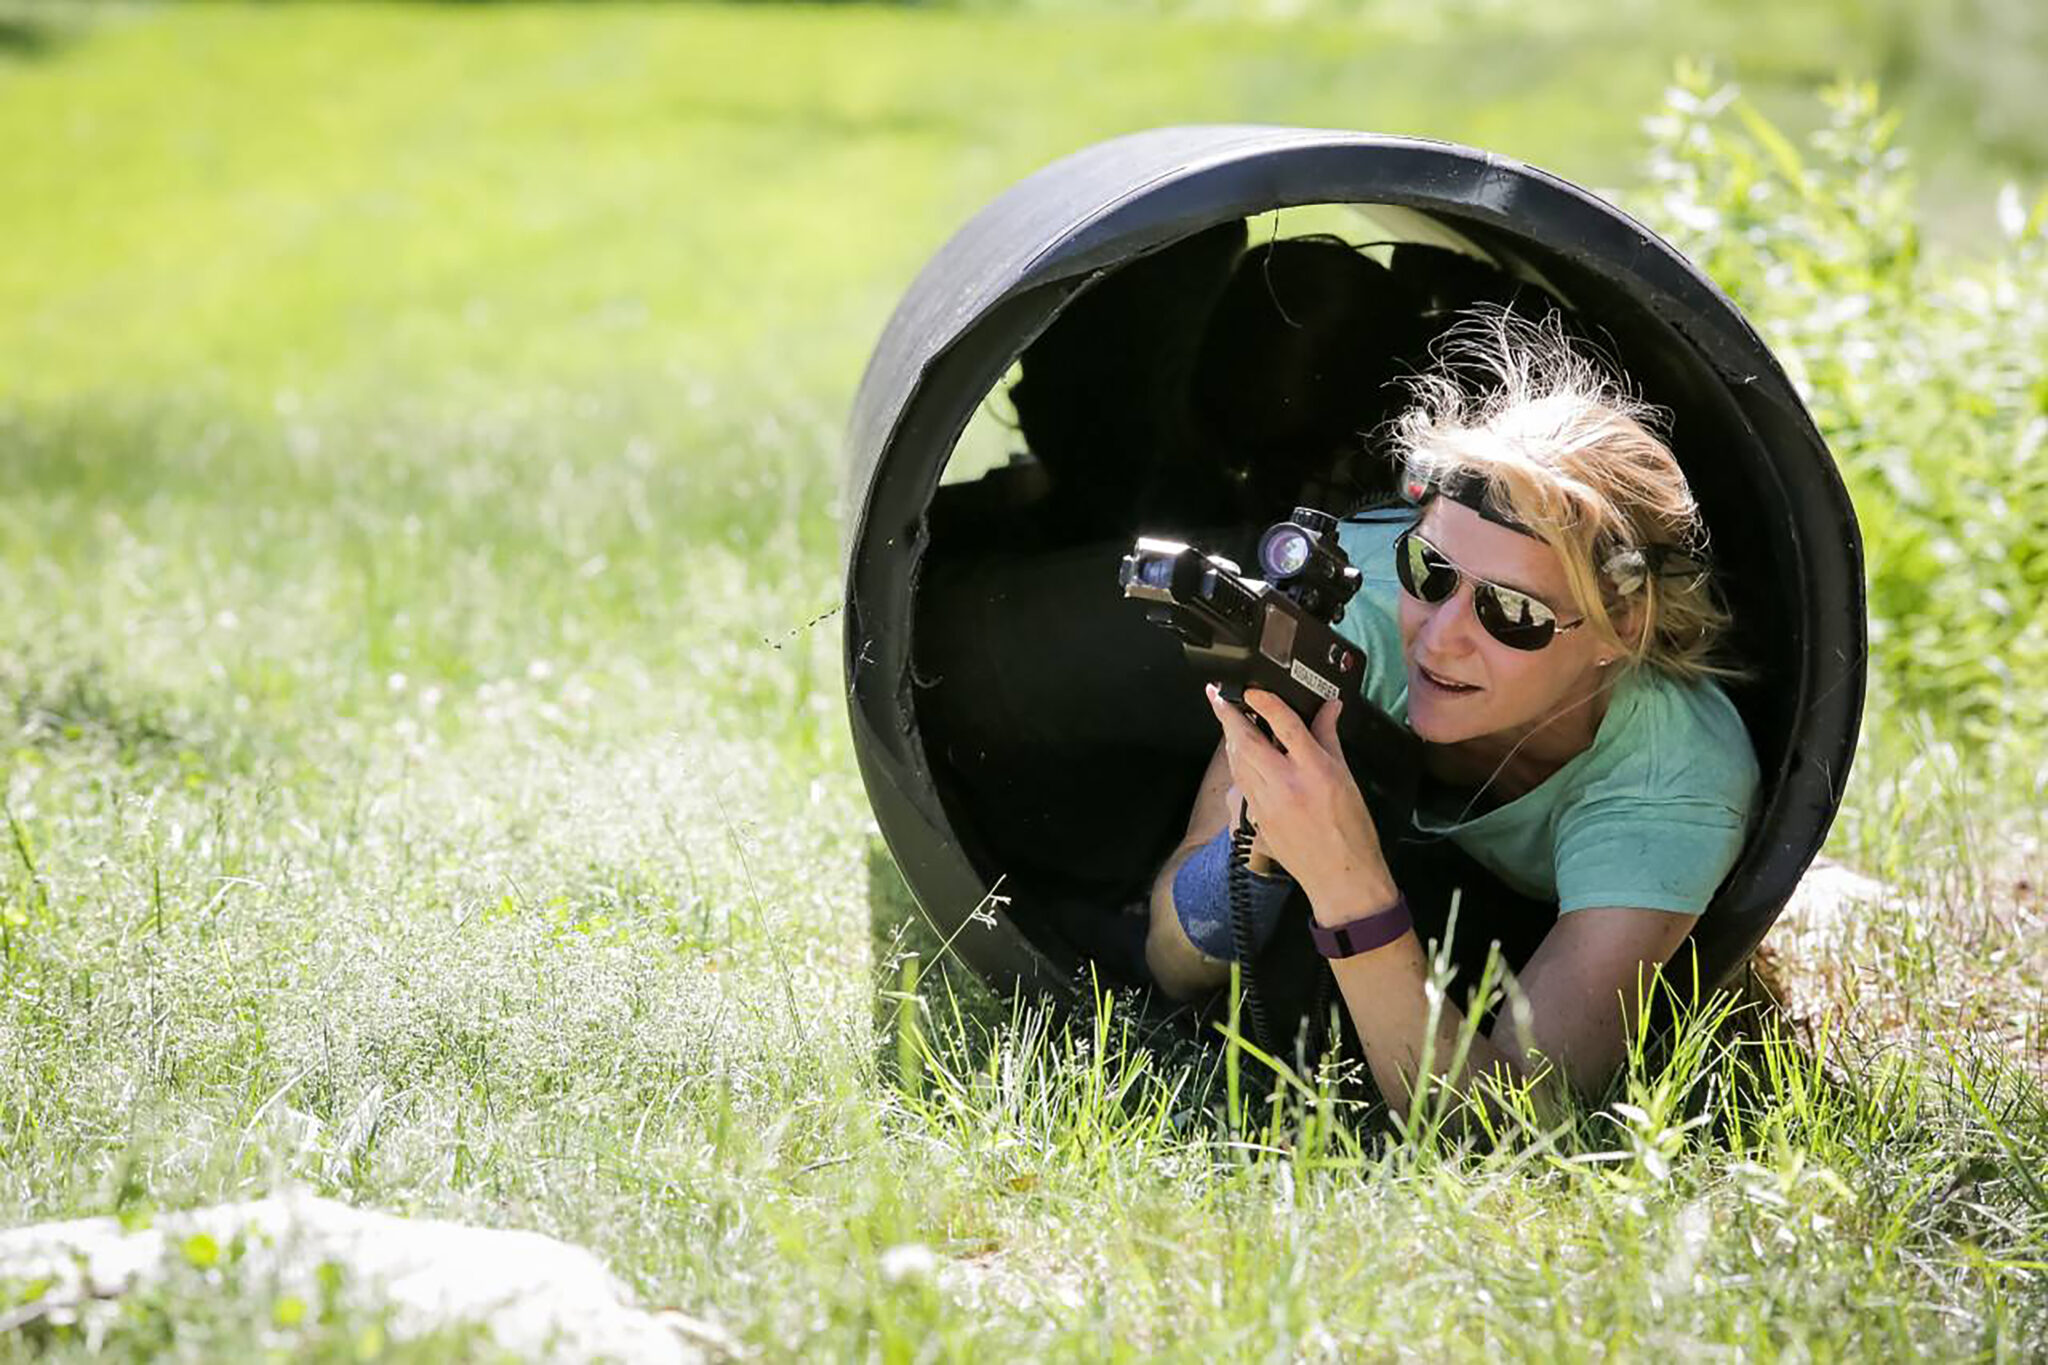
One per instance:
[(418, 440)]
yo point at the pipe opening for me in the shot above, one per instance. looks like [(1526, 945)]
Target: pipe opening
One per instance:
[(1130, 340), (1200, 391)]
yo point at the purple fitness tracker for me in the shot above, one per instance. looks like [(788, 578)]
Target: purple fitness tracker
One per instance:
[(1364, 934)]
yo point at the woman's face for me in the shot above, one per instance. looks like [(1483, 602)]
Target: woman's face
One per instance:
[(1462, 683)]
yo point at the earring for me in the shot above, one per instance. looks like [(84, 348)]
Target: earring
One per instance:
[(1602, 663)]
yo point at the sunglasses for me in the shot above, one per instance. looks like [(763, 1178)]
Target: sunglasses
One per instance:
[(1509, 615)]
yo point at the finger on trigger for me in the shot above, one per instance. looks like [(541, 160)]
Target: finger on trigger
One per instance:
[(1234, 723), (1279, 716)]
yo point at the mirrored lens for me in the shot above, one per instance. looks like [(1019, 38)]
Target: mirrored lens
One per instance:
[(1424, 573), (1515, 619), (1510, 616)]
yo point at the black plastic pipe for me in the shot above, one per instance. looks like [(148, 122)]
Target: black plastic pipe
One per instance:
[(1784, 534)]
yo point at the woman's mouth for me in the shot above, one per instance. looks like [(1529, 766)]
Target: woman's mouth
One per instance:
[(1449, 686)]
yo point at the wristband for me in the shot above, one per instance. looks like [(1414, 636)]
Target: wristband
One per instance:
[(1365, 933)]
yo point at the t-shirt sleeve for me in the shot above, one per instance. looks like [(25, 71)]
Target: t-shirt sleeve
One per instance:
[(1663, 815), (1667, 855)]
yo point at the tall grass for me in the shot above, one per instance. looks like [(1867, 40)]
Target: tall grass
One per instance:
[(424, 783)]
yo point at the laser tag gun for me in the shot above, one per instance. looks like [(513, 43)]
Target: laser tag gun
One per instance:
[(1277, 633)]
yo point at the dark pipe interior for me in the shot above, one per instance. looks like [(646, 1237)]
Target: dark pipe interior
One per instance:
[(1202, 391)]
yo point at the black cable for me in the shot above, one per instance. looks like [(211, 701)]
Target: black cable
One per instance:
[(1254, 1009)]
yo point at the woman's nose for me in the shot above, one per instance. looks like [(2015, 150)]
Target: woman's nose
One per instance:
[(1451, 626)]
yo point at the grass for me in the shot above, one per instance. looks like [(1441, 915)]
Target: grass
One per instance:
[(425, 780)]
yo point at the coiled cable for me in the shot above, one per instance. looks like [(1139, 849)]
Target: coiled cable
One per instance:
[(1242, 934)]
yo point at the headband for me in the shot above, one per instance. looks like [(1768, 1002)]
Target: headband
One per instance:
[(1626, 569), (1465, 488)]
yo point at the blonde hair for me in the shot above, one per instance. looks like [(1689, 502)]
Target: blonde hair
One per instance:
[(1563, 447)]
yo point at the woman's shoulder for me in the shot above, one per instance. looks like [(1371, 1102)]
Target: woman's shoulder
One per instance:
[(1669, 741), (1661, 807), (1367, 539), (1372, 619), (1372, 531)]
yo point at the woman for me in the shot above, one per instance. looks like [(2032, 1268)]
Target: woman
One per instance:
[(1541, 618)]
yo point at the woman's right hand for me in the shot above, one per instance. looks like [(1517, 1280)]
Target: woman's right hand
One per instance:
[(1298, 782)]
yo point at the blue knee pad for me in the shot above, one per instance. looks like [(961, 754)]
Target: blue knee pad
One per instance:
[(1201, 897)]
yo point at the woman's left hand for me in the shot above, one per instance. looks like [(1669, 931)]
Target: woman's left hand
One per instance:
[(1306, 805)]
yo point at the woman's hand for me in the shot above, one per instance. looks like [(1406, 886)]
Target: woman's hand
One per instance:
[(1308, 809)]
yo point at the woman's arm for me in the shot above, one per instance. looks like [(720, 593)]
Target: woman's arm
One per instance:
[(1580, 986), (1182, 970)]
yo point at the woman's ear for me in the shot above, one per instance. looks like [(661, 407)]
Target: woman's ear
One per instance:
[(1630, 621)]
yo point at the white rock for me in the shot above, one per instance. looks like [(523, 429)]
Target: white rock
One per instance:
[(1828, 897), (538, 1297), (910, 1261)]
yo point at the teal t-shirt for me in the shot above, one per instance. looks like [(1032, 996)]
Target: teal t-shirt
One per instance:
[(1651, 815)]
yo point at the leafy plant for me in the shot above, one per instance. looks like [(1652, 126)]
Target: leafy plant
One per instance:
[(1927, 372)]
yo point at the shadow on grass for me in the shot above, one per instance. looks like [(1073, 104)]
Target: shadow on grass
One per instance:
[(28, 38), (901, 937), (1717, 1071), (53, 706), (77, 711), (934, 1013)]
